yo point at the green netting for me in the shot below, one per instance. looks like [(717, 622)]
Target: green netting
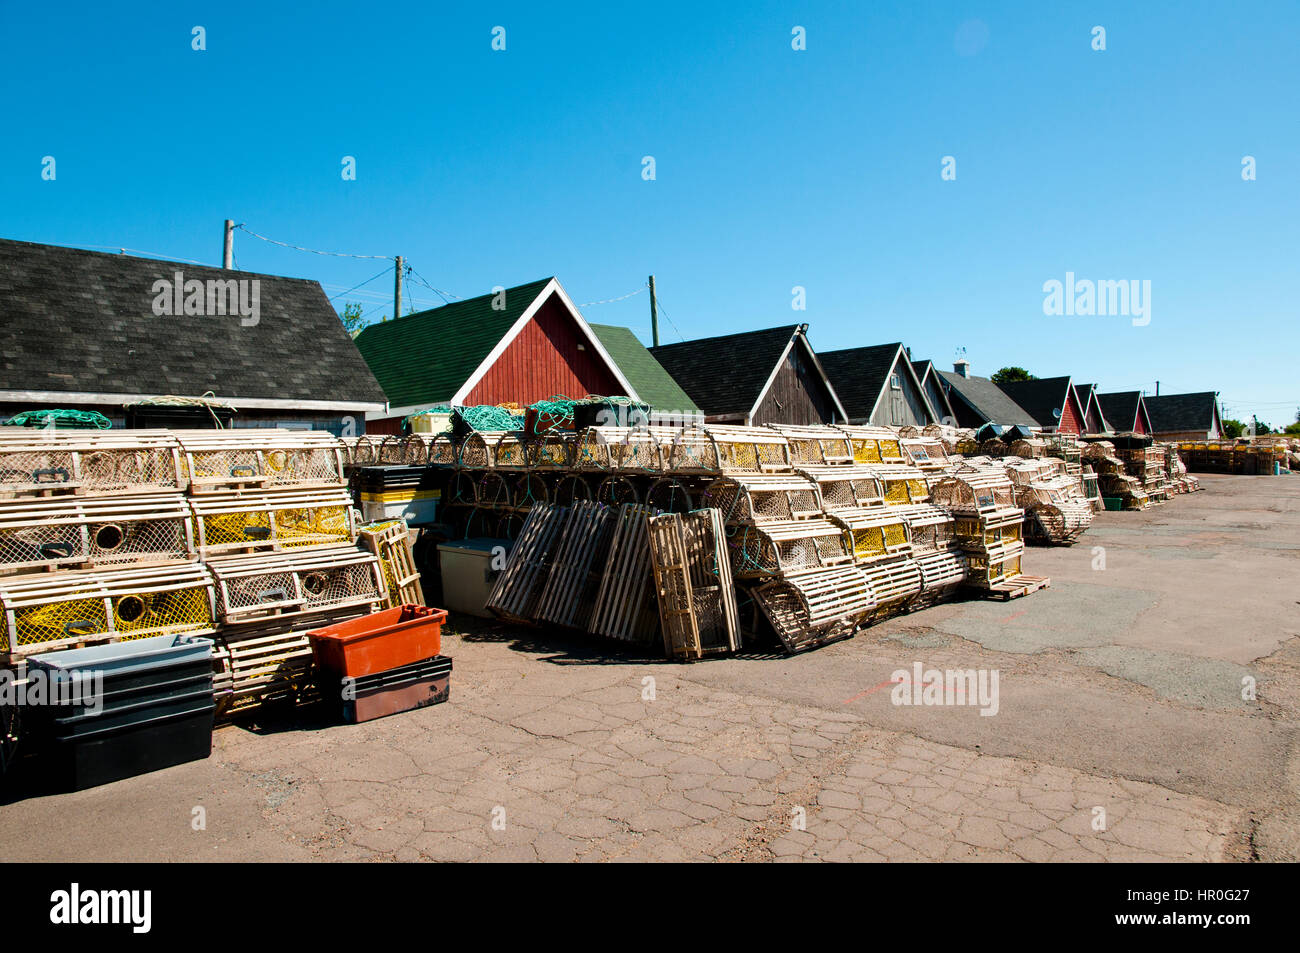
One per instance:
[(489, 417), (554, 413), (83, 419)]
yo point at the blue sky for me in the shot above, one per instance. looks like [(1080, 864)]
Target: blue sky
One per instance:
[(775, 168)]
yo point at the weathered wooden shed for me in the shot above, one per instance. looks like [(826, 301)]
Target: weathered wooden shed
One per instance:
[(879, 386), (932, 384), (515, 345), (1185, 416), (771, 376), (977, 401), (1094, 421)]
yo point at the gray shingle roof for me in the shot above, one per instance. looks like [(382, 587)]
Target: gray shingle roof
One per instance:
[(726, 374), (983, 398), (1120, 409), (1171, 413), (1044, 398), (83, 321), (859, 374)]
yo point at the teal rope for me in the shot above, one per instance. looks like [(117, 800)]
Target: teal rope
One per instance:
[(489, 417), (44, 418)]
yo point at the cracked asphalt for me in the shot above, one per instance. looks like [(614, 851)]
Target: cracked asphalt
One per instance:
[(1147, 710)]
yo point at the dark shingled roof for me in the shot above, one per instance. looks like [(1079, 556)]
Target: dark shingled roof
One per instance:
[(1170, 413), (654, 385), (424, 358), (859, 374), (1040, 398), (1120, 409), (726, 374), (83, 321), (987, 400)]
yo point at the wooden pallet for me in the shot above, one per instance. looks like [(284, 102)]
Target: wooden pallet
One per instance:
[(1015, 587)]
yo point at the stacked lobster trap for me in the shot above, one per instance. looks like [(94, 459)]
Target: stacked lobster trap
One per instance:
[(1056, 509), (247, 536), (988, 526)]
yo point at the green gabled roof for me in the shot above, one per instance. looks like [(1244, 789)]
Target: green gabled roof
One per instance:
[(424, 358), (654, 385)]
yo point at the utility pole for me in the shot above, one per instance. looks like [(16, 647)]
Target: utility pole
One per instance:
[(397, 289), (654, 314), (1157, 388), (228, 251)]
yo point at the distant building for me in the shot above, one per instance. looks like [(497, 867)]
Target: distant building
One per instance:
[(878, 385), (518, 345), (977, 401), (1051, 401), (84, 330), (1126, 412), (932, 385), (1185, 416), (771, 376), (1094, 421)]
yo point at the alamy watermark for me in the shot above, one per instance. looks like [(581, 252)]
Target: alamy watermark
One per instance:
[(210, 298), (38, 687), (932, 687), (1084, 297)]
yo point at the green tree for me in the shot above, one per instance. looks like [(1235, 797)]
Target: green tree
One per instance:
[(351, 318), (1008, 374), (1233, 428)]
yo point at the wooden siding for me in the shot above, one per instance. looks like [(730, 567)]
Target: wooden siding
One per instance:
[(798, 394), (933, 391), (1139, 425), (903, 407), (1070, 422), (545, 360)]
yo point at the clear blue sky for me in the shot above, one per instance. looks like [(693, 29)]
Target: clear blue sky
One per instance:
[(775, 168)]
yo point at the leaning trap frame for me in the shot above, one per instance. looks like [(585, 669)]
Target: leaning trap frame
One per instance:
[(816, 607), (697, 600)]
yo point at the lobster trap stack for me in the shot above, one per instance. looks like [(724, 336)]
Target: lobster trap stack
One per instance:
[(247, 536)]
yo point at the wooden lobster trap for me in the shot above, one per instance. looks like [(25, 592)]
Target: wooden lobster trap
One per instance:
[(901, 484), (925, 453), (943, 573), (577, 567), (1125, 488), (551, 450), (271, 519), (670, 495), (987, 569), (403, 450), (845, 487), (813, 608), (364, 450), (1052, 517), (265, 458), (625, 606), (443, 451), (873, 444), (259, 586), (46, 462), (1028, 448), (390, 543), (494, 489), (697, 599), (895, 582), (989, 531), (47, 611), (777, 549), (816, 445), (746, 450), (874, 533), (972, 491), (618, 490), (69, 531), (529, 489), (622, 449), (931, 527), (494, 449), (763, 497)]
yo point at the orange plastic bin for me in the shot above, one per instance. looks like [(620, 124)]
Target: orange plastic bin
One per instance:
[(380, 641)]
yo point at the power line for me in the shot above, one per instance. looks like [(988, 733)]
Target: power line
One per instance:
[(612, 300), (444, 295), (355, 287), (333, 254), (147, 254)]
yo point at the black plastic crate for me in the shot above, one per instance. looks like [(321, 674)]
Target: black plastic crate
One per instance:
[(111, 754), (389, 693)]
